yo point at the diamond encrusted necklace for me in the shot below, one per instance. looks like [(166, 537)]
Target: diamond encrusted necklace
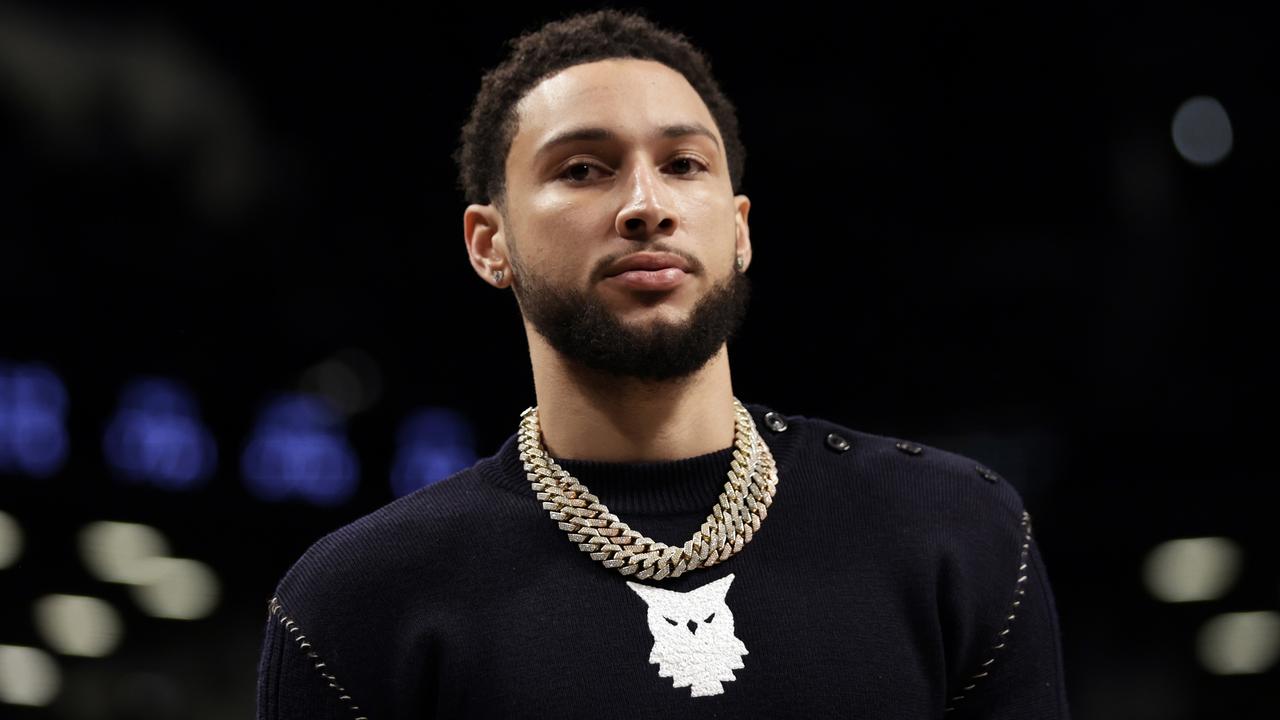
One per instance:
[(753, 481)]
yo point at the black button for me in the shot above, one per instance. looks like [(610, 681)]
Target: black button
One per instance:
[(837, 443), (775, 421), (908, 448), (987, 474)]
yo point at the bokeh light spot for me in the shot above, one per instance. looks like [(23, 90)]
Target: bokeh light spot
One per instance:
[(157, 436), (177, 589), (10, 540), (299, 450), (118, 551), (350, 380), (33, 406), (1192, 569), (1202, 131), (78, 625), (1240, 643), (432, 444), (28, 676)]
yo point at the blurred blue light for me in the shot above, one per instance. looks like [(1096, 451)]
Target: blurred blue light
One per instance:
[(157, 436), (33, 433), (299, 450), (433, 444)]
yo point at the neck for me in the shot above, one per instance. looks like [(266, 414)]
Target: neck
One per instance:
[(585, 414)]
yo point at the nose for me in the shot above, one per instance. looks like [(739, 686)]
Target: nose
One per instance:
[(648, 210), (693, 626)]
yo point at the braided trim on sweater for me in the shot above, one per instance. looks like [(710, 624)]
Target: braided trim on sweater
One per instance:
[(1017, 601), (295, 632)]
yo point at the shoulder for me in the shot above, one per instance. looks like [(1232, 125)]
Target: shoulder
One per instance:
[(409, 540), (353, 609), (937, 485), (963, 524)]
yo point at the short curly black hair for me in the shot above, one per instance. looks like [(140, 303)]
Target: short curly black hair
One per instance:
[(535, 56)]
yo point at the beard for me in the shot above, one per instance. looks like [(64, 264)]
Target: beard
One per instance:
[(582, 328)]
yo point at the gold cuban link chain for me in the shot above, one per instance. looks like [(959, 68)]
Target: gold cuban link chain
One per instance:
[(753, 481)]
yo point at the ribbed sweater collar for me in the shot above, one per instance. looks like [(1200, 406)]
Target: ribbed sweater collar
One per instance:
[(686, 485)]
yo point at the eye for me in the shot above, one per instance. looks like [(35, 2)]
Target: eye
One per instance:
[(709, 618), (687, 165), (673, 622), (579, 172)]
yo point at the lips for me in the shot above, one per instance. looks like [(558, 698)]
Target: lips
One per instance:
[(648, 262), (650, 280)]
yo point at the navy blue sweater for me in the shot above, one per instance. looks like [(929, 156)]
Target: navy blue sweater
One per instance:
[(889, 580)]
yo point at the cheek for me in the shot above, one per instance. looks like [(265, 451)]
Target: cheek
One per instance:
[(710, 217), (557, 235), (551, 213)]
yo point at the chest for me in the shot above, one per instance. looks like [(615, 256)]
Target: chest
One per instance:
[(746, 638)]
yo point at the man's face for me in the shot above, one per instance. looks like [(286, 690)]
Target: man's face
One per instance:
[(612, 158)]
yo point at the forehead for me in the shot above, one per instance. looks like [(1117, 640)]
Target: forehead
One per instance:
[(628, 96)]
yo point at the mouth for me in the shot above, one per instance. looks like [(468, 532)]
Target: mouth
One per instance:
[(652, 280), (649, 262)]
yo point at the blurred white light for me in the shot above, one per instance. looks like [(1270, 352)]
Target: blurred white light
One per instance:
[(78, 625), (10, 540), (350, 381), (28, 676), (1240, 643), (177, 589), (118, 551), (337, 383), (1192, 569), (1202, 131)]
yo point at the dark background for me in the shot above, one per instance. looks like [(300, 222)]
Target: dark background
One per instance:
[(971, 228)]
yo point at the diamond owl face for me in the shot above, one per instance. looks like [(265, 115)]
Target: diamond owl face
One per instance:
[(693, 638)]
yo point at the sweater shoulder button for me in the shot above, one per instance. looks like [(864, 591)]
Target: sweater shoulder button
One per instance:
[(775, 421), (908, 448), (837, 443), (987, 474)]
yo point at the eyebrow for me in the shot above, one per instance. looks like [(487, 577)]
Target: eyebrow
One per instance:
[(600, 134)]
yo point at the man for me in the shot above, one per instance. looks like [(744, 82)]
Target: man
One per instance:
[(723, 560)]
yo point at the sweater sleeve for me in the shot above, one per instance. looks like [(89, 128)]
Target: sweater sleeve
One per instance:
[(293, 680), (1022, 675)]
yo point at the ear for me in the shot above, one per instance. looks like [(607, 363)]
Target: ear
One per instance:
[(742, 206), (716, 590), (650, 595), (483, 231)]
